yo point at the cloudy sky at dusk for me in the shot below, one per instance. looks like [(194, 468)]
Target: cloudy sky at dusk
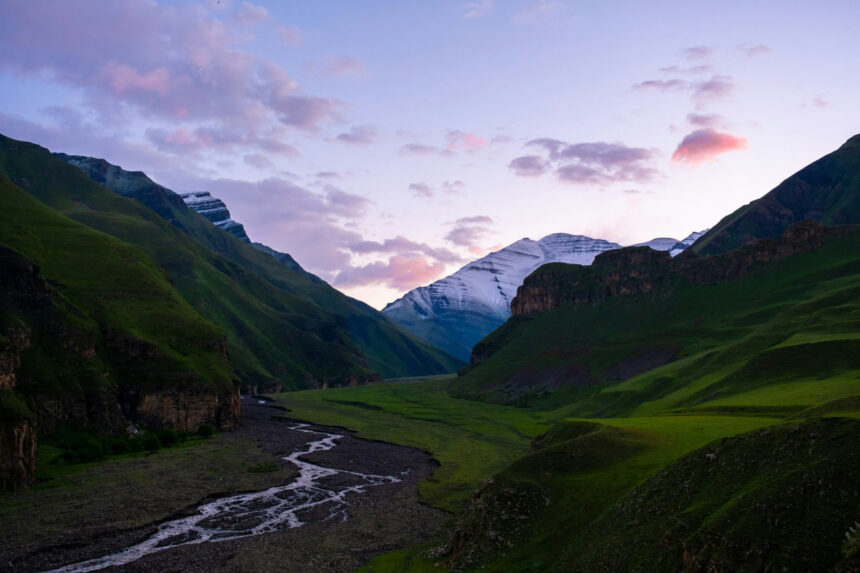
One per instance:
[(385, 144)]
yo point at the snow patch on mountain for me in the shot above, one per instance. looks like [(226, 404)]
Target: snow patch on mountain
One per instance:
[(457, 311), (216, 211)]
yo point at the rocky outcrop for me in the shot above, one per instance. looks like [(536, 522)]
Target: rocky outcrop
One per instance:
[(640, 270), (18, 453), (55, 371), (187, 410)]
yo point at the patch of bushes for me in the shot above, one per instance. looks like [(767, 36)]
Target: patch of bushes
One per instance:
[(80, 446)]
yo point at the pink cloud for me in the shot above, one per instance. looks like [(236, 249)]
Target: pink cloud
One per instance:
[(178, 64), (343, 65), (400, 272), (250, 14), (469, 141), (289, 35), (705, 145), (122, 78)]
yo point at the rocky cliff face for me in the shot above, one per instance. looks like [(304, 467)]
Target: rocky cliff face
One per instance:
[(639, 270), (54, 374)]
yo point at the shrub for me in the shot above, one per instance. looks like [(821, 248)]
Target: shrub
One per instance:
[(150, 442), (167, 437), (119, 445), (205, 430), (82, 447)]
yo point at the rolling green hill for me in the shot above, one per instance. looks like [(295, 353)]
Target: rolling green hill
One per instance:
[(684, 343), (281, 324)]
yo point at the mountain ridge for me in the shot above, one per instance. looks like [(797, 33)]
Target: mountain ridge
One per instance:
[(457, 311)]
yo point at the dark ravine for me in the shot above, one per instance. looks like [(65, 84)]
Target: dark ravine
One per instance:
[(380, 518)]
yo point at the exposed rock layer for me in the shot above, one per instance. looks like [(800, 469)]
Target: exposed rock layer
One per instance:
[(638, 270)]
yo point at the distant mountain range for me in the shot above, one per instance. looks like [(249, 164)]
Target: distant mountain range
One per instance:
[(455, 312)]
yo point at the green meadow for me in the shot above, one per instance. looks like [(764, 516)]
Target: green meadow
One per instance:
[(583, 464)]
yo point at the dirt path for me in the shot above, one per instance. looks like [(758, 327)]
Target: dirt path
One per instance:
[(380, 518)]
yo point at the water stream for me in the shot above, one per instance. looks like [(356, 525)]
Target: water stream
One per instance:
[(254, 513)]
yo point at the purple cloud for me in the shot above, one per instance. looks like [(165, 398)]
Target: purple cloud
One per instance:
[(468, 231), (529, 165), (594, 163), (705, 119), (421, 190), (359, 135), (716, 88), (418, 149), (403, 246), (697, 52), (177, 65), (702, 92), (259, 161)]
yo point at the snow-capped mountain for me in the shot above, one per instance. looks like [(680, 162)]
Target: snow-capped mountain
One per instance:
[(456, 312), (691, 238), (216, 211)]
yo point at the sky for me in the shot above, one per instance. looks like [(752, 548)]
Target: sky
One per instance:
[(386, 144)]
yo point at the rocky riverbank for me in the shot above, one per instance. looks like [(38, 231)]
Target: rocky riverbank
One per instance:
[(380, 519)]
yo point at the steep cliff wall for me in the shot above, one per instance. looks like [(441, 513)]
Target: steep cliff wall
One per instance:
[(639, 270), (58, 367)]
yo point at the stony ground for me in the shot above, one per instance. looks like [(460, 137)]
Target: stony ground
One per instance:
[(384, 518)]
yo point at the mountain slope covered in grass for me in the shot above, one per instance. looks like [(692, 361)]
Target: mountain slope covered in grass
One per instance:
[(282, 325), (94, 333), (827, 190), (683, 342)]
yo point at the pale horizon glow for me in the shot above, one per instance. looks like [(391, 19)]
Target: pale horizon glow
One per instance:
[(384, 145)]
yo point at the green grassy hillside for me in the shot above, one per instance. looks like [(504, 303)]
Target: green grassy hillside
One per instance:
[(827, 191), (730, 344), (104, 298), (594, 469), (280, 324)]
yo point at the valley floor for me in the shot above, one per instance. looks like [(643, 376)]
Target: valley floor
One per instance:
[(89, 510)]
